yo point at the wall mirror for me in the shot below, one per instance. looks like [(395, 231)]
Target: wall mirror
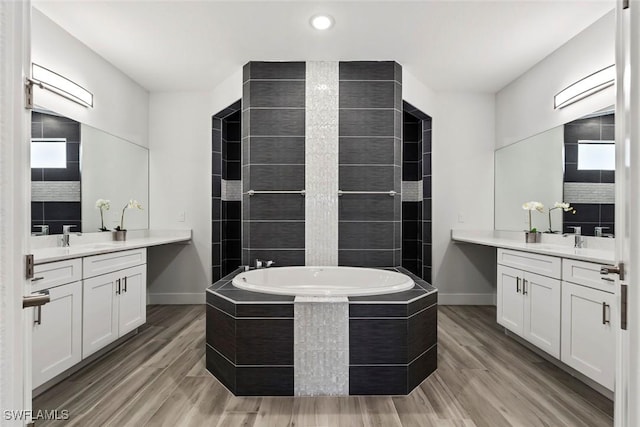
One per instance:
[(572, 163), (73, 165)]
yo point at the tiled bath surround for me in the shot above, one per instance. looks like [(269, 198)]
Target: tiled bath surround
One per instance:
[(370, 159), (273, 159), (250, 340), (56, 191), (591, 192)]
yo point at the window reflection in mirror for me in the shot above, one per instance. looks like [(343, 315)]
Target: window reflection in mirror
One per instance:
[(572, 163)]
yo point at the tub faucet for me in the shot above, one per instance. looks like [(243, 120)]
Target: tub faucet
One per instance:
[(263, 264), (44, 230), (578, 240)]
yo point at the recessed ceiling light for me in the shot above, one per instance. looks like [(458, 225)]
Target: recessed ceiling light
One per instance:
[(321, 22)]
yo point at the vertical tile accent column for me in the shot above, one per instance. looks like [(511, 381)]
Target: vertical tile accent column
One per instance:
[(426, 201), (321, 161), (411, 191), (370, 132), (321, 346), (273, 152)]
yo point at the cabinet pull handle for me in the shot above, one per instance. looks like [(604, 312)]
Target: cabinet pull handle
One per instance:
[(605, 321), (517, 285), (125, 283), (524, 287), (38, 319), (118, 287), (35, 279)]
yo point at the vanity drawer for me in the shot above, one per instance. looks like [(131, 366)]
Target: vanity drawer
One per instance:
[(587, 274), (103, 264), (540, 264), (54, 274)]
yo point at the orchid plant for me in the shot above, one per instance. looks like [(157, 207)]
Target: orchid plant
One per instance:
[(560, 205), (103, 205), (533, 206), (133, 204)]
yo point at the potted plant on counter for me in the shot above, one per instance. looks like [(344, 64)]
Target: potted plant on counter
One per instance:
[(532, 235), (120, 233)]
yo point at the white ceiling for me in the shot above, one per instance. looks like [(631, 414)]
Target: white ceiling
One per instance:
[(449, 45)]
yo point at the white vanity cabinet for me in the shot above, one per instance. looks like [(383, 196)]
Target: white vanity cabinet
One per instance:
[(57, 325), (589, 319), (114, 298), (529, 302)]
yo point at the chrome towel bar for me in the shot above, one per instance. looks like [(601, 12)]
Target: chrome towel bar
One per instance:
[(388, 193), (254, 192)]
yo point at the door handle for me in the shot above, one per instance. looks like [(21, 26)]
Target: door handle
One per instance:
[(517, 285), (613, 269), (125, 283), (524, 287), (118, 290), (36, 299), (605, 321)]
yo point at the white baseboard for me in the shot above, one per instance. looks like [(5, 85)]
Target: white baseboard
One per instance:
[(176, 299), (466, 299)]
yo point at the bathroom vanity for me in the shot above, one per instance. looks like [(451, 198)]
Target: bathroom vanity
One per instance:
[(98, 297), (554, 297)]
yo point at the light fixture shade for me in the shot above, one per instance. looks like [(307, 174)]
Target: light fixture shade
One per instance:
[(321, 22), (61, 85), (585, 87)]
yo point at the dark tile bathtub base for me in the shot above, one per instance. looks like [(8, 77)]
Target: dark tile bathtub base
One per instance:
[(392, 340)]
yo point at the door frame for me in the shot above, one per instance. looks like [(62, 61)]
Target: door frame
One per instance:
[(15, 129)]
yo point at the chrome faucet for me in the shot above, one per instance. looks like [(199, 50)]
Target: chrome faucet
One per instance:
[(263, 264), (599, 231), (44, 230), (578, 239), (66, 231)]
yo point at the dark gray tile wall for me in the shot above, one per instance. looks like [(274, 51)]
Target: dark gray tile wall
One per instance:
[(273, 156), (57, 214), (216, 199), (411, 210), (588, 215), (370, 155), (426, 200)]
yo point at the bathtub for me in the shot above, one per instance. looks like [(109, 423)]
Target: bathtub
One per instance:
[(323, 281)]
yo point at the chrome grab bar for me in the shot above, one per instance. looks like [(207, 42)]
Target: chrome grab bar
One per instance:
[(254, 192), (388, 193)]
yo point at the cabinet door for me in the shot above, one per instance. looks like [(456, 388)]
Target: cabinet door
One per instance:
[(510, 300), (589, 320), (542, 312), (133, 298), (57, 333), (99, 313)]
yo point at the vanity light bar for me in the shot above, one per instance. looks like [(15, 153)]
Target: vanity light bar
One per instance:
[(56, 83), (585, 87)]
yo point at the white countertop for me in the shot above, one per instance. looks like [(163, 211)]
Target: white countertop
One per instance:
[(102, 243), (597, 250)]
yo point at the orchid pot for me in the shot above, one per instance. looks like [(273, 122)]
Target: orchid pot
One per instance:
[(533, 236), (120, 235)]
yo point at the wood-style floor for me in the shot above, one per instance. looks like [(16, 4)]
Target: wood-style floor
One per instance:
[(484, 378)]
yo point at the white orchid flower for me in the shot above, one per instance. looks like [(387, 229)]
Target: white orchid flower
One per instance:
[(533, 206), (134, 204), (103, 204)]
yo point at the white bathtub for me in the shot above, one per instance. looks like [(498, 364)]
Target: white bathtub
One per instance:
[(323, 281)]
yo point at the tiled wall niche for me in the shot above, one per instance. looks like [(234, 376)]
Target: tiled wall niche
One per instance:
[(225, 191), (590, 192), (61, 206)]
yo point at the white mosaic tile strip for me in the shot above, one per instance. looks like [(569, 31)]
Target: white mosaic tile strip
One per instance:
[(321, 163), (231, 190), (412, 191), (55, 191), (588, 192), (321, 346)]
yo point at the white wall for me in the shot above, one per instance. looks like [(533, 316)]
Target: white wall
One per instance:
[(180, 181), (525, 106), (462, 166), (120, 104)]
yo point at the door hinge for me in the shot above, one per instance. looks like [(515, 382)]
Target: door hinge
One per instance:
[(28, 94), (624, 296), (29, 263)]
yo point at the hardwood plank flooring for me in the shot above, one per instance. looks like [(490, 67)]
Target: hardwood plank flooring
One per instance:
[(484, 379)]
